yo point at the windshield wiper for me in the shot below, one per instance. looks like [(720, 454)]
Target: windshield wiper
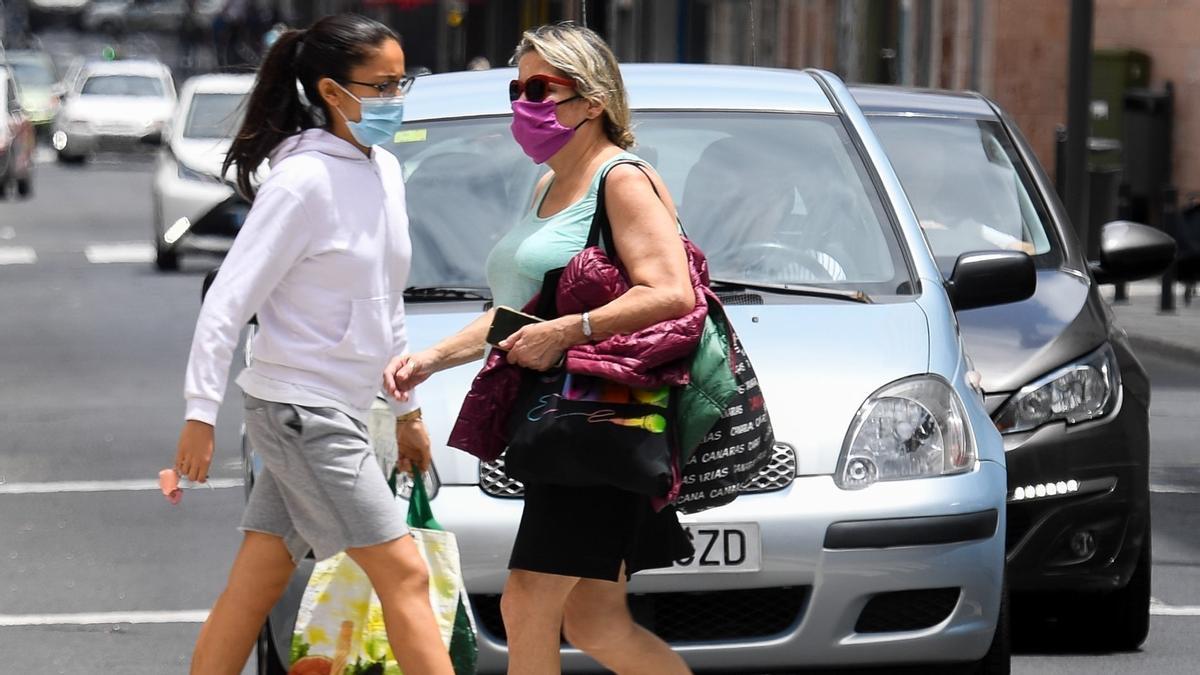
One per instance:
[(796, 289), (445, 293)]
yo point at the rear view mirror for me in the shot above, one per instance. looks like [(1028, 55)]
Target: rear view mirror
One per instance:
[(1130, 251), (987, 278)]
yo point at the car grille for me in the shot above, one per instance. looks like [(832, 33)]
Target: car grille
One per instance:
[(907, 610), (779, 473), (708, 616)]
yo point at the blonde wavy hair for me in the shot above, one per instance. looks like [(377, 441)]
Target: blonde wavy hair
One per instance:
[(582, 55)]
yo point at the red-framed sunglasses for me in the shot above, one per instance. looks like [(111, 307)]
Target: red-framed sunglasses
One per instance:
[(536, 87)]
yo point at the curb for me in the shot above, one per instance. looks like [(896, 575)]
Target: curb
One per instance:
[(1161, 347)]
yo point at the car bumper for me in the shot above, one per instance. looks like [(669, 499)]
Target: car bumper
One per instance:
[(1048, 536), (82, 142), (827, 569)]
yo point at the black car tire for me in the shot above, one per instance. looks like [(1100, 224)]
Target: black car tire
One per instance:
[(1119, 620), (64, 158), (268, 659), (164, 260)]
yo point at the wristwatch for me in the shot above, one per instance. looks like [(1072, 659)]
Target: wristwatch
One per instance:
[(587, 325)]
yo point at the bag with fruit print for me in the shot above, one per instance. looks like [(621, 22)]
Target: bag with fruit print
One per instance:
[(339, 627)]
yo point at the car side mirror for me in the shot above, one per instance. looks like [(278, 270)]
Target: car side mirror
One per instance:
[(1130, 251), (987, 278)]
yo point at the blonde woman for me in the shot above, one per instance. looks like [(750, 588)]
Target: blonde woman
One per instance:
[(576, 548)]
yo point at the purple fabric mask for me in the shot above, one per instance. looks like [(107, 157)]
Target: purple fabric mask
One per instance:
[(536, 128)]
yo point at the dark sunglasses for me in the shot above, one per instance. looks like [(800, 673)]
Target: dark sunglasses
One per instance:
[(388, 88), (536, 87)]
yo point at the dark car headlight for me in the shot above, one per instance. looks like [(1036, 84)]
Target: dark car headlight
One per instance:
[(190, 174), (1078, 392)]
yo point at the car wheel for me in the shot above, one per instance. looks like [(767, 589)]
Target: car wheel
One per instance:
[(166, 261), (268, 661), (1120, 620), (64, 158)]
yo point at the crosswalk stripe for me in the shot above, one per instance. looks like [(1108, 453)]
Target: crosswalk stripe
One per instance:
[(121, 252), (103, 618), (17, 255), (102, 486)]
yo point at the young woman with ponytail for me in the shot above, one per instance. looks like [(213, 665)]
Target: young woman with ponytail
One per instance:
[(322, 259)]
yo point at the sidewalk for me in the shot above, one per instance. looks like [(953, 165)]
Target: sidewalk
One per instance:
[(1176, 334)]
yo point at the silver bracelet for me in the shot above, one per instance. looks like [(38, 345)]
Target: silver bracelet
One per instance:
[(587, 325)]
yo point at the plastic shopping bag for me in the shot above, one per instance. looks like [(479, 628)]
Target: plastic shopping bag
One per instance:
[(339, 627)]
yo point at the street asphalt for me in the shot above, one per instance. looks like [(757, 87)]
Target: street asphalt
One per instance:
[(98, 573)]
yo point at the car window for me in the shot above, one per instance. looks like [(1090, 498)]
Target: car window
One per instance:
[(33, 73), (968, 187), (122, 85), (771, 198), (214, 116)]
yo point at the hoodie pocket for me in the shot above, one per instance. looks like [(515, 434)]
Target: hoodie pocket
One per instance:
[(368, 334)]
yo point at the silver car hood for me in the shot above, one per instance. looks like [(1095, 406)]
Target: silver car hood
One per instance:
[(817, 362)]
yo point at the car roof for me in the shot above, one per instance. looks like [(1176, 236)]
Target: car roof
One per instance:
[(129, 67), (888, 100), (220, 84), (650, 86)]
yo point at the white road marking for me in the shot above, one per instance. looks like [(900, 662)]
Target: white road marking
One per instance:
[(17, 255), (122, 252), (103, 618), (1159, 608), (104, 486)]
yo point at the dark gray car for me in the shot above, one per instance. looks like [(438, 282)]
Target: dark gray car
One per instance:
[(1061, 382)]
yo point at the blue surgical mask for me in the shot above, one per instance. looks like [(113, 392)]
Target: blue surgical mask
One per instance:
[(380, 120)]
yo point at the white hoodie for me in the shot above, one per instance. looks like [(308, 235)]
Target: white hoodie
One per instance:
[(323, 260)]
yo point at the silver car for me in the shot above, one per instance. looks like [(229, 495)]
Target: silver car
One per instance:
[(113, 105), (876, 535)]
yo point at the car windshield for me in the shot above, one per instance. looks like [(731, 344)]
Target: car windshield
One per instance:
[(968, 187), (773, 199), (32, 73), (122, 85), (213, 116)]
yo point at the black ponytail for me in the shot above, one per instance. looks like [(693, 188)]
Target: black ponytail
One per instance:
[(330, 48)]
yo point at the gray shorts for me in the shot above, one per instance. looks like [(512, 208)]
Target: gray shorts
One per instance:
[(320, 488)]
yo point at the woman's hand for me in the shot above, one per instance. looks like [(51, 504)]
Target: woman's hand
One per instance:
[(412, 440), (195, 450), (540, 346), (404, 373)]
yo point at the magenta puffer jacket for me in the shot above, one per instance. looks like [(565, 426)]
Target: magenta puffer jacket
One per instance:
[(652, 357)]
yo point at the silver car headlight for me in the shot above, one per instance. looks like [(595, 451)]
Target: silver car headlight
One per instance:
[(912, 428), (1077, 392)]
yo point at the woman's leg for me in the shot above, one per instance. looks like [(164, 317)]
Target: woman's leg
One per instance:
[(401, 581), (259, 576), (532, 607), (597, 620)]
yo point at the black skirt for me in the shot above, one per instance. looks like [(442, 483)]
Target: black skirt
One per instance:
[(590, 532)]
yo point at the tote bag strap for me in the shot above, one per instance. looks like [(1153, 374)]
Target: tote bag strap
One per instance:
[(601, 230)]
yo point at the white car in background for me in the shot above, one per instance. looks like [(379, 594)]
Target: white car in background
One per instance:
[(196, 210), (113, 105)]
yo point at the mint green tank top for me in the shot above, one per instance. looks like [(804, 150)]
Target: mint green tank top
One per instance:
[(536, 245)]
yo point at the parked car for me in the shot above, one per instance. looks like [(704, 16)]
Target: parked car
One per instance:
[(113, 105), (196, 210), (38, 82), (875, 536), (1059, 377), (120, 16), (17, 140)]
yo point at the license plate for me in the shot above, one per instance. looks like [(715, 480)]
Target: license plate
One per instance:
[(720, 548)]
